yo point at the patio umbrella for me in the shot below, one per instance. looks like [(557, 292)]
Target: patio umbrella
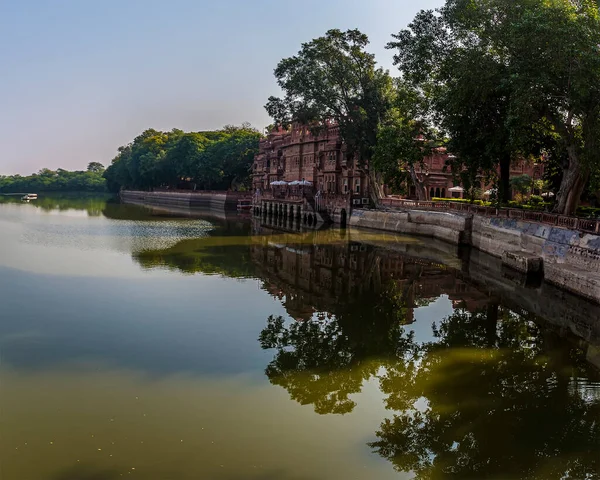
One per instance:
[(456, 189)]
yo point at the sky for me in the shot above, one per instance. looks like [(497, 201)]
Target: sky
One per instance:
[(80, 78)]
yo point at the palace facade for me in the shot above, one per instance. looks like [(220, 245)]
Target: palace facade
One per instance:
[(300, 174), (331, 181), (439, 182)]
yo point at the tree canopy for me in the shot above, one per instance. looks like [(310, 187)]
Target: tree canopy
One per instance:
[(219, 159), (504, 74), (47, 180), (334, 78)]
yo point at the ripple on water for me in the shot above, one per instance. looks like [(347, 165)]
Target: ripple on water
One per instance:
[(124, 236)]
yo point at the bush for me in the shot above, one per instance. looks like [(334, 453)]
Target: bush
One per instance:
[(461, 200), (536, 199), (539, 207), (588, 212)]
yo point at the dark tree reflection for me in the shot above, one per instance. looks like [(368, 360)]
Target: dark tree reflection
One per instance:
[(325, 359), (502, 399)]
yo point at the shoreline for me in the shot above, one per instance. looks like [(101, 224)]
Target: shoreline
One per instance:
[(566, 258)]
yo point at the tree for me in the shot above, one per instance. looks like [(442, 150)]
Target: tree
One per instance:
[(405, 138), (467, 87), (95, 167), (521, 184), (334, 78), (217, 160), (560, 82), (47, 180), (501, 71)]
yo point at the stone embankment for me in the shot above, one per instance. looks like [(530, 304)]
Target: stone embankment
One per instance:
[(567, 258), (220, 201)]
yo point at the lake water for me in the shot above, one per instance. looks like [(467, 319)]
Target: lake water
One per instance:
[(141, 343)]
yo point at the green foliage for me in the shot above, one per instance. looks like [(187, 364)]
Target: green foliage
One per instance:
[(512, 78), (217, 160), (463, 200), (588, 212), (521, 184), (536, 200), (54, 181), (334, 78), (95, 167), (535, 206), (405, 137)]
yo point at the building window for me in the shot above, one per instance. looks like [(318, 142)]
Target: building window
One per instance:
[(357, 185), (345, 185)]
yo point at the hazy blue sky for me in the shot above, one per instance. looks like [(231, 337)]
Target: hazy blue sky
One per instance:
[(79, 78)]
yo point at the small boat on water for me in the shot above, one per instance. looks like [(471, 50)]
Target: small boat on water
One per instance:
[(29, 196)]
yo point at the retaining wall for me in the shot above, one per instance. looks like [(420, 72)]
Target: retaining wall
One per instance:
[(567, 258), (221, 201), (445, 226)]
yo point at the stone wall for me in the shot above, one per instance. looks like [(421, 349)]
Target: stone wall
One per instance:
[(452, 228), (570, 259), (221, 201), (566, 258)]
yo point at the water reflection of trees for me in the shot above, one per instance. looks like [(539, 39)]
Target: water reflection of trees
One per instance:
[(503, 402), (491, 394), (94, 204), (324, 360)]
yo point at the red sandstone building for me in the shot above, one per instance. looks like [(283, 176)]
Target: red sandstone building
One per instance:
[(330, 180), (331, 184), (440, 183)]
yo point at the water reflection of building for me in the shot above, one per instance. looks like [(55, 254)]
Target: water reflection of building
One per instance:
[(316, 278)]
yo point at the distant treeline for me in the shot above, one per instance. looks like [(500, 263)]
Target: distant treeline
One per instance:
[(46, 180), (216, 160)]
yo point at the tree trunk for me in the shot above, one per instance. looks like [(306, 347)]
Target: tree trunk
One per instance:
[(376, 187), (419, 186), (572, 185), (504, 194)]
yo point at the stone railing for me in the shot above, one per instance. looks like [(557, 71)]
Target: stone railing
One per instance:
[(573, 223)]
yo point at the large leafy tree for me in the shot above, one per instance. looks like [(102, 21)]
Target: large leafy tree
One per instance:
[(334, 78), (504, 73), (466, 83), (47, 180), (208, 160), (405, 137)]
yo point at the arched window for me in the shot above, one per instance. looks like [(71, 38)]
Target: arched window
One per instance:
[(437, 192), (443, 193), (431, 193)]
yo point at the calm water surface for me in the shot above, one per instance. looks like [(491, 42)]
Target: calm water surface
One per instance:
[(145, 344)]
